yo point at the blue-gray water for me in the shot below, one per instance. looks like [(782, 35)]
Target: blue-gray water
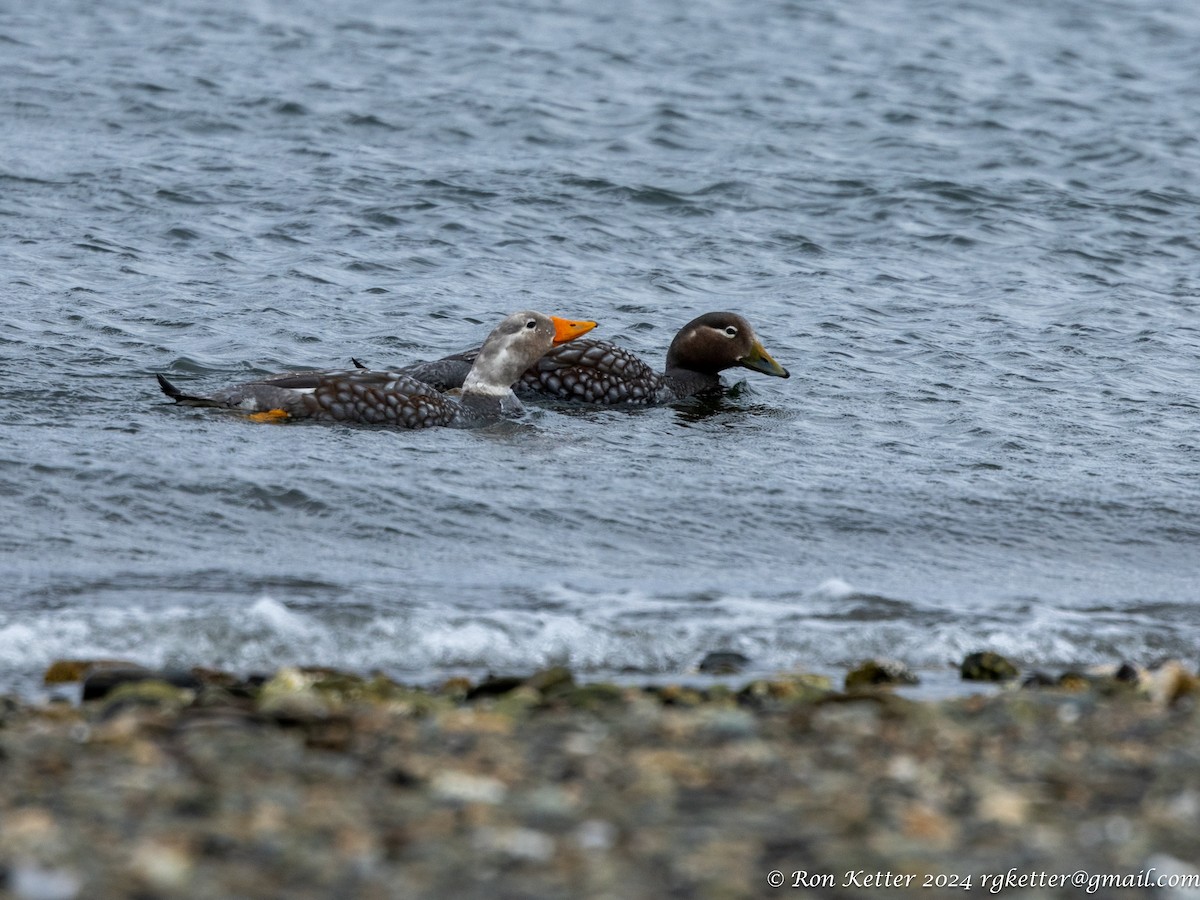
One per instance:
[(970, 229)]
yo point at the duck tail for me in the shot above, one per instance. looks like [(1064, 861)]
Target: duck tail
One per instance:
[(180, 397)]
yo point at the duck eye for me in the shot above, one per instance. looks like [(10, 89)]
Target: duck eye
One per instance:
[(731, 331), (531, 324)]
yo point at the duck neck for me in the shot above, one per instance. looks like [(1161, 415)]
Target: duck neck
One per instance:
[(474, 385), (494, 371), (688, 381)]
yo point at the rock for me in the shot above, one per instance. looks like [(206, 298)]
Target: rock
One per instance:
[(1170, 681), (101, 682), (148, 692), (10, 707), (677, 695), (723, 662), (595, 835), (67, 671), (463, 787), (1004, 806), (541, 684), (721, 694), (527, 844), (289, 695), (592, 696), (494, 686), (1179, 880), (723, 722), (789, 690), (987, 666), (548, 682), (1127, 672), (456, 688), (306, 692), (1039, 680), (876, 672), (33, 882), (163, 865), (1076, 682)]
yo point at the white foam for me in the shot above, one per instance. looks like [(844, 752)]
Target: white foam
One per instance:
[(595, 633), (276, 616), (833, 589)]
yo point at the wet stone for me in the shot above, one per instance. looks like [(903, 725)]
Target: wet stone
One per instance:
[(1073, 681), (723, 662), (547, 682), (987, 666), (1127, 672), (880, 672), (65, 671), (102, 682), (147, 693), (1039, 680), (785, 691), (677, 695), (591, 696), (494, 686)]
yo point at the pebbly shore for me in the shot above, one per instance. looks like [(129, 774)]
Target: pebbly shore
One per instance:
[(312, 783)]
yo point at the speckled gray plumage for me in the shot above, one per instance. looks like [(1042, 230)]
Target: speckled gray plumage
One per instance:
[(376, 398), (595, 372), (356, 395), (600, 373), (396, 399), (585, 370)]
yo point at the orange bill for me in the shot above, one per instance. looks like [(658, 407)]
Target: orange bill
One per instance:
[(569, 329)]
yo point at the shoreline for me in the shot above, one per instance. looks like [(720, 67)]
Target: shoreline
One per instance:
[(318, 783)]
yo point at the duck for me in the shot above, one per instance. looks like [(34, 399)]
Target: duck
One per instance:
[(399, 399), (600, 373)]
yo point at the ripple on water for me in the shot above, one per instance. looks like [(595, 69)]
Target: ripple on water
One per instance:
[(966, 230)]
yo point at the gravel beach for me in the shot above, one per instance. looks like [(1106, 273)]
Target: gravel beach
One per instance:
[(312, 783)]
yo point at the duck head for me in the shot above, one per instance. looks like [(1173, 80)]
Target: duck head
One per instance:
[(717, 341), (516, 344)]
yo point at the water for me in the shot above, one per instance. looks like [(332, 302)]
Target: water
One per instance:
[(969, 229)]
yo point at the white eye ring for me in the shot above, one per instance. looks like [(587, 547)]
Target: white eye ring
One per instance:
[(730, 331)]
